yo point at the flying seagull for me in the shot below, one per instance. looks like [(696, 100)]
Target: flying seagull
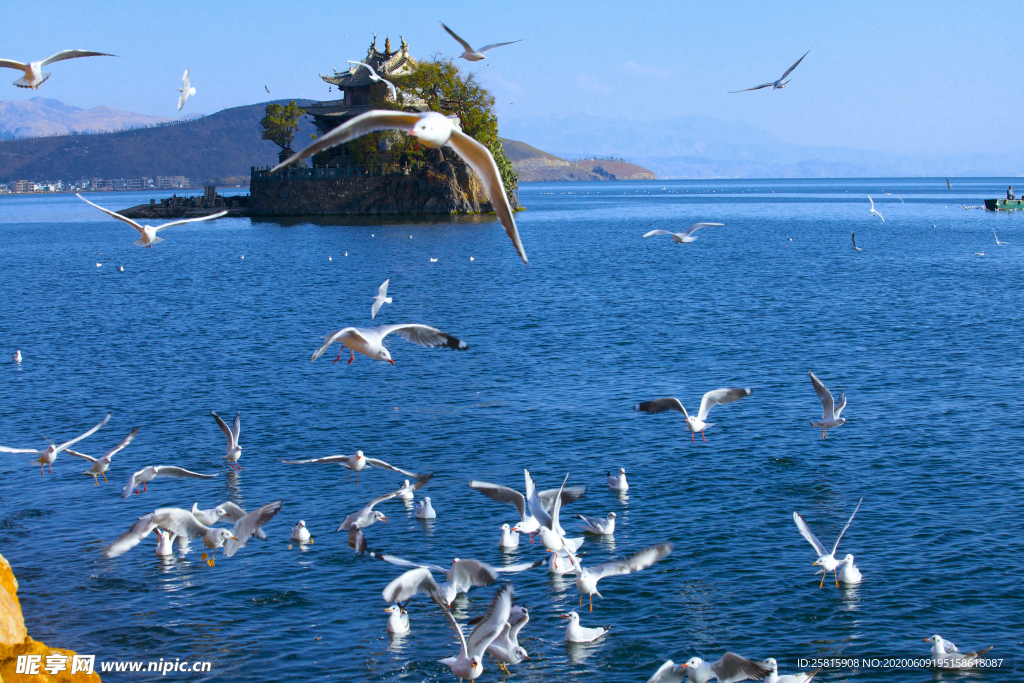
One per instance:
[(826, 560), (148, 474), (997, 238), (267, 89), (381, 299), (148, 232), (854, 238), (49, 454), (695, 423), (34, 74), (830, 410), (234, 451), (101, 465), (356, 462), (374, 77), (470, 54), (776, 85), (683, 237), (873, 209), (434, 130), (731, 668), (186, 90), (369, 341), (948, 186)]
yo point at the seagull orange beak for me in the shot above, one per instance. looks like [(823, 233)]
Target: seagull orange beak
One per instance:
[(565, 616), (391, 361), (384, 519)]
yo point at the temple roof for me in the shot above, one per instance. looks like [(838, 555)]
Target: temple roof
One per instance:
[(386, 64)]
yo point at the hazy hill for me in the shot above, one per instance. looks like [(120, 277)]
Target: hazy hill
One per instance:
[(219, 148), (42, 116), (534, 165)]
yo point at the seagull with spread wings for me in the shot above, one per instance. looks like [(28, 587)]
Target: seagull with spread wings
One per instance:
[(49, 454), (540, 502), (434, 130), (375, 78), (873, 209), (695, 423), (366, 516), (148, 232), (463, 575), (381, 299), (826, 560), (731, 668), (587, 577), (830, 410), (186, 90), (148, 474), (369, 341), (101, 465), (234, 451), (357, 462), (686, 236), (34, 74), (472, 55), (775, 85)]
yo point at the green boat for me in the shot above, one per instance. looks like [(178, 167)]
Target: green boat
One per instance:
[(1011, 203)]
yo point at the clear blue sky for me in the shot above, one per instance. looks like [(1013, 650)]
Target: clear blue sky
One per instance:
[(909, 77)]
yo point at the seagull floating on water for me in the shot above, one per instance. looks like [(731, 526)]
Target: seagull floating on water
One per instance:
[(369, 341), (826, 560), (945, 654), (686, 236), (509, 538), (148, 232), (357, 462), (34, 74), (164, 544), (618, 482), (716, 397), (598, 525), (398, 622), (186, 90), (574, 633), (148, 474), (470, 54), (101, 465), (375, 78), (873, 209), (381, 299), (434, 130), (16, 356), (234, 451), (830, 411), (49, 454), (775, 85), (299, 532), (424, 509)]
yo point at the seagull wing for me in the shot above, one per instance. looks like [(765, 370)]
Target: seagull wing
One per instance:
[(224, 428), (848, 522), (391, 88), (666, 674), (655, 233), (185, 81), (825, 396), (521, 567), (249, 525), (697, 226), (399, 562), (872, 202), (468, 573), (533, 500), (766, 85), (236, 428), (72, 54), (5, 449), (11, 64), (335, 336), (124, 442), (382, 291), (88, 433), (132, 483), (374, 462), (80, 455), (486, 48), (484, 633), (795, 65), (481, 161), (191, 220), (113, 214), (841, 404), (501, 494), (414, 582), (466, 46), (180, 473), (179, 522), (370, 68), (235, 512), (340, 459), (806, 532), (369, 122), (732, 667), (556, 507), (719, 397), (139, 530), (661, 405), (634, 563), (570, 494), (423, 335)]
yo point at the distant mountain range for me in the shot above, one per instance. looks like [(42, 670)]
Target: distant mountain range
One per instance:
[(534, 165), (42, 116)]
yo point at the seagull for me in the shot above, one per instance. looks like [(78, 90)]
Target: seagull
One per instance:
[(406, 492), (16, 356), (829, 410), (233, 449), (34, 74), (553, 538), (424, 510), (148, 232), (729, 669), (468, 663), (299, 532), (997, 238), (774, 677), (366, 516), (948, 186), (356, 463), (49, 454), (226, 510), (873, 209), (713, 398), (586, 579), (618, 482), (433, 129), (101, 465), (148, 474), (775, 85), (267, 89), (848, 572), (186, 90), (505, 648), (669, 672), (686, 236), (854, 238), (463, 575), (369, 341), (945, 654), (375, 78), (540, 503), (398, 622), (381, 299), (509, 538), (574, 633), (470, 54), (827, 561), (597, 525), (164, 545), (433, 260)]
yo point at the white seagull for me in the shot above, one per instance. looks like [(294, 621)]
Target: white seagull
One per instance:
[(463, 575), (186, 90), (669, 672), (774, 677), (553, 538), (598, 525), (696, 423), (729, 669), (509, 538), (424, 510), (540, 502), (469, 662), (16, 356), (369, 341), (574, 633), (381, 299), (367, 516), (49, 454), (164, 545), (470, 54), (398, 622), (829, 409), (855, 247), (374, 77), (356, 463), (505, 649), (406, 492), (848, 572), (226, 510), (587, 578), (945, 654), (997, 238), (873, 209), (234, 451), (684, 237), (775, 85), (148, 232), (432, 129), (299, 532), (826, 560), (101, 465), (148, 474), (618, 482), (34, 74)]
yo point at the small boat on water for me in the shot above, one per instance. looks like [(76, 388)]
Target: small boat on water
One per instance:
[(1011, 203)]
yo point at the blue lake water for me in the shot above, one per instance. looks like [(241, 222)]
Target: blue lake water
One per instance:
[(923, 333)]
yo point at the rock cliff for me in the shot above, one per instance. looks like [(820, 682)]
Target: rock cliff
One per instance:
[(15, 641)]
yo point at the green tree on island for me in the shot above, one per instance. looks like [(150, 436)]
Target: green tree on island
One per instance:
[(281, 123)]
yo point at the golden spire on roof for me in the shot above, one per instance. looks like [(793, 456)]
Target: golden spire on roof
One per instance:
[(387, 45)]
